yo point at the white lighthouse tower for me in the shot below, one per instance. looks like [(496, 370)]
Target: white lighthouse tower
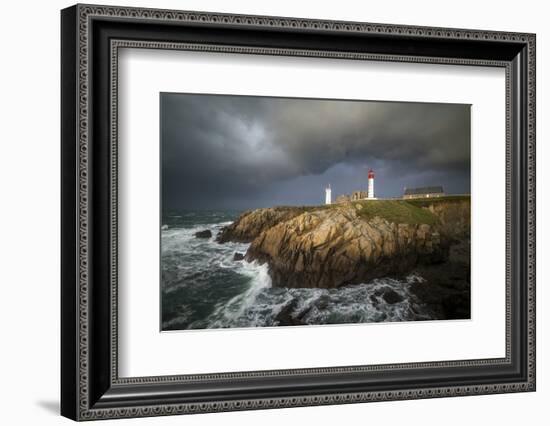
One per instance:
[(370, 189), (328, 195)]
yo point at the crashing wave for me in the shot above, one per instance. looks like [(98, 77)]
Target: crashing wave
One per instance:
[(211, 290)]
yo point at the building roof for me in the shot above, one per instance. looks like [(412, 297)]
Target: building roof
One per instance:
[(424, 190)]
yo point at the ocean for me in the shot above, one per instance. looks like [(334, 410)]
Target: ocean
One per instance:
[(204, 287)]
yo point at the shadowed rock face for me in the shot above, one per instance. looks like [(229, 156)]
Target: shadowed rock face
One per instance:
[(333, 247), (445, 290), (454, 218)]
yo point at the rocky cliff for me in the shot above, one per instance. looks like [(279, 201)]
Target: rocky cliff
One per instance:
[(332, 246), (252, 223)]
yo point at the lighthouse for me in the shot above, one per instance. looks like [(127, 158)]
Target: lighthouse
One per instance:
[(370, 189), (328, 195)]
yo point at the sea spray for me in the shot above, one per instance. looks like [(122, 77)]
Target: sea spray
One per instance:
[(204, 287)]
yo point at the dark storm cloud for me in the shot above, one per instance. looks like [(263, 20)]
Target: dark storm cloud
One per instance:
[(224, 151)]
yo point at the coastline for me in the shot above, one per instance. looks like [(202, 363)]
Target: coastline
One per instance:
[(225, 278), (353, 243)]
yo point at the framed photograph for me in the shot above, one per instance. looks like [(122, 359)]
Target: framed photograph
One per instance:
[(263, 212)]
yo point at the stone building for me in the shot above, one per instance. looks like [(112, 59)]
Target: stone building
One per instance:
[(358, 195), (343, 198)]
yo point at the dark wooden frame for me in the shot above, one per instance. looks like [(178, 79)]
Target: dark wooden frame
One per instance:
[(90, 386)]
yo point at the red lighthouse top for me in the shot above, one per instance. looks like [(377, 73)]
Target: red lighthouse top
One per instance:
[(371, 174)]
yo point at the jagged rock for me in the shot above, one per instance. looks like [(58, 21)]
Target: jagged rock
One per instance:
[(203, 234), (391, 296), (286, 315), (238, 256), (252, 223), (340, 245), (454, 218), (333, 247)]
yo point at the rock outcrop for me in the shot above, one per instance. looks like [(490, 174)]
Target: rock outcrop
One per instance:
[(453, 218), (333, 246), (252, 223), (238, 257), (445, 289), (203, 234)]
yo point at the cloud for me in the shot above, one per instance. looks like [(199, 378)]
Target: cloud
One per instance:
[(238, 147)]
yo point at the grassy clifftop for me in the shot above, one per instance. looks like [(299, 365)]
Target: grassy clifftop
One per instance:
[(413, 211), (396, 211), (450, 210), (426, 202), (333, 245)]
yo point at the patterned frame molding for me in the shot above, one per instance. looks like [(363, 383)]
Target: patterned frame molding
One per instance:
[(83, 401), (116, 45)]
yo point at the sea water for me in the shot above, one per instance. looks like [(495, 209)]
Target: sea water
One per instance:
[(202, 286)]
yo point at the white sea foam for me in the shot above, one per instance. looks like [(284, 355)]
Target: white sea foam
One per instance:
[(242, 305), (192, 264)]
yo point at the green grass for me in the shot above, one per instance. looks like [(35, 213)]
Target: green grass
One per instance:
[(396, 211), (425, 202), (410, 211)]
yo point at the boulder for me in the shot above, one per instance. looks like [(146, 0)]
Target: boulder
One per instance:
[(287, 316), (238, 256), (391, 297), (203, 234)]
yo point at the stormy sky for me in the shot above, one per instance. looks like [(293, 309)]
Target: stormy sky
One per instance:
[(241, 152)]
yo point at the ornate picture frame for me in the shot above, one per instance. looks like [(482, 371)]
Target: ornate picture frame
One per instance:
[(91, 37)]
